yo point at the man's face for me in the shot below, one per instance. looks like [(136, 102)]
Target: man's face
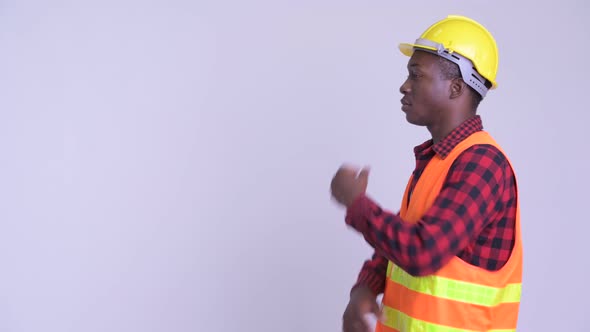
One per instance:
[(426, 93)]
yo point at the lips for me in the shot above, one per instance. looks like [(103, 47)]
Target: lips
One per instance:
[(405, 104)]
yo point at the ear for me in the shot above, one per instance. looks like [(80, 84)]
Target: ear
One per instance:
[(457, 88)]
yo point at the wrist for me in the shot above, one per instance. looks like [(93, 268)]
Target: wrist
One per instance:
[(362, 291), (355, 201), (356, 211)]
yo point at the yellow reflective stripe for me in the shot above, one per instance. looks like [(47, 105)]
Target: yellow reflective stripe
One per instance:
[(458, 290), (389, 267), (402, 322), (396, 319)]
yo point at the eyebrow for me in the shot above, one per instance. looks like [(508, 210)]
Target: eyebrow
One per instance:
[(414, 66)]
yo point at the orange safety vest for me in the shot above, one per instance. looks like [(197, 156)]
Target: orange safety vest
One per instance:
[(459, 296)]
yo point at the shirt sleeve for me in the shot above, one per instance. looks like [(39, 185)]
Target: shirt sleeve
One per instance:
[(372, 274), (470, 194)]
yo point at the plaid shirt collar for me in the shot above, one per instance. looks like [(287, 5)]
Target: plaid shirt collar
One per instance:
[(446, 145)]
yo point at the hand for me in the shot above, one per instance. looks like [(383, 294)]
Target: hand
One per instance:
[(362, 302), (347, 185)]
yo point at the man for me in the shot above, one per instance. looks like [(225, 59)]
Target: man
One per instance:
[(451, 259)]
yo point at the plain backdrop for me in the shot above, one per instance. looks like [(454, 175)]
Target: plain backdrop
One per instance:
[(165, 165)]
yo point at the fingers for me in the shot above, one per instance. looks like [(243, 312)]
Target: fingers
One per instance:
[(352, 319), (377, 311), (348, 171), (348, 183), (370, 322), (354, 172), (364, 174), (359, 322), (363, 179), (357, 325), (343, 176)]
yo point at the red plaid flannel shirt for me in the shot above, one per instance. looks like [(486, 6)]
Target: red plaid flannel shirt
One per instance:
[(472, 218)]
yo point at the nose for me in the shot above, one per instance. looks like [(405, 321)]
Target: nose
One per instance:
[(405, 87)]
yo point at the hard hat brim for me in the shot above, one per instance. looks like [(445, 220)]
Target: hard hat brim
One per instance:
[(408, 49)]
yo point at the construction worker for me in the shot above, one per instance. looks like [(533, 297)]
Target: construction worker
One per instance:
[(451, 258)]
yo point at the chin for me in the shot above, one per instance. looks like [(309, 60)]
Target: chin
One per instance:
[(412, 120), (416, 122)]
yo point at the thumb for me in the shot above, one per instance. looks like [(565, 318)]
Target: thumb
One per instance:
[(364, 174)]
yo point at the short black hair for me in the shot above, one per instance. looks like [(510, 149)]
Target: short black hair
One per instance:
[(449, 71)]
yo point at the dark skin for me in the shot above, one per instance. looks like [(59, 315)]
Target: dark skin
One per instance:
[(431, 101)]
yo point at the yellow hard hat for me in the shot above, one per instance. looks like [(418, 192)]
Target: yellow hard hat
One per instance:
[(465, 42)]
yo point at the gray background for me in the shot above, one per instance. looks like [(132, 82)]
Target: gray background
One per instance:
[(158, 172)]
